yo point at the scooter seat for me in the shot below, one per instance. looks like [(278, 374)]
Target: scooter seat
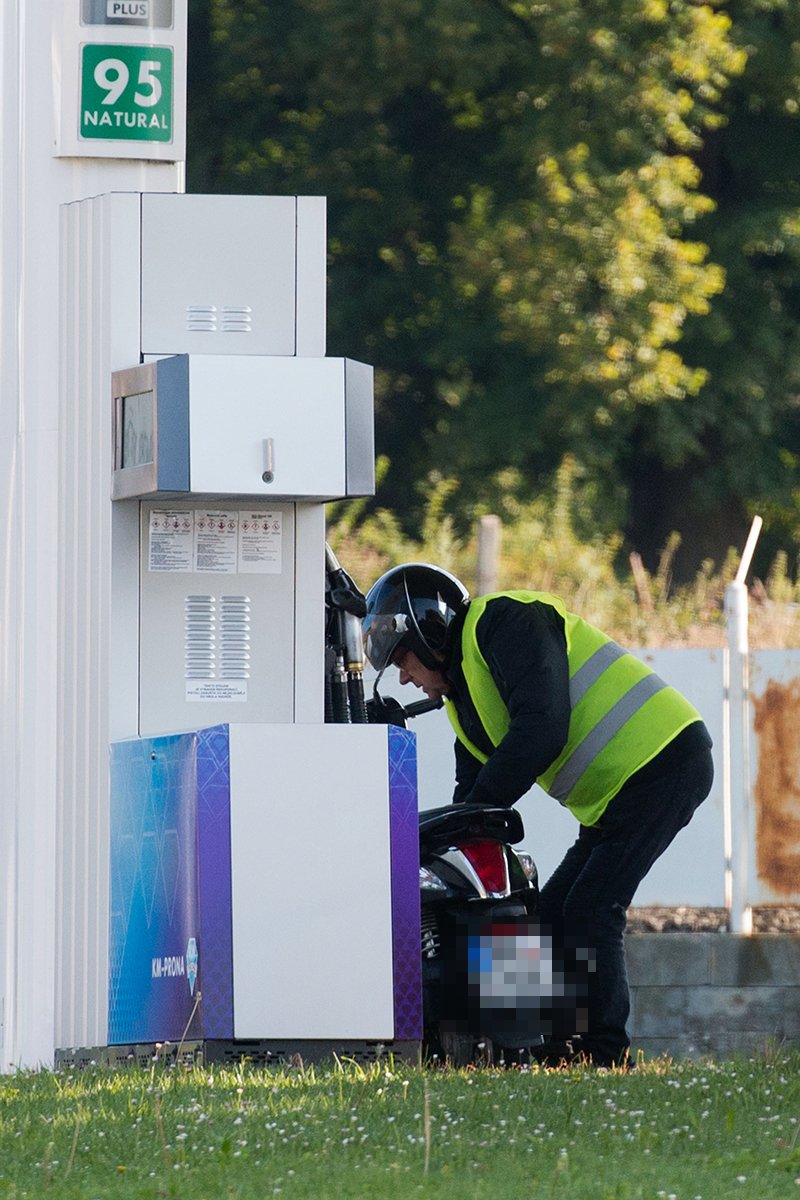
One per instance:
[(439, 826)]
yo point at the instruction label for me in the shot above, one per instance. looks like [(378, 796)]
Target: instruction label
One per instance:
[(215, 690), (216, 541), (171, 543), (260, 543)]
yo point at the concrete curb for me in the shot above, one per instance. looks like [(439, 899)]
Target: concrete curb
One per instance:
[(712, 993)]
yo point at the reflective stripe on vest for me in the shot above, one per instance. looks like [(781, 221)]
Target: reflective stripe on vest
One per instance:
[(622, 713)]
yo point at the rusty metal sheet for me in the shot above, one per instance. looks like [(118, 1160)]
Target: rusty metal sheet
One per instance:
[(775, 757)]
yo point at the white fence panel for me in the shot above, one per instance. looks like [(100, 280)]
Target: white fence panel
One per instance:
[(692, 871)]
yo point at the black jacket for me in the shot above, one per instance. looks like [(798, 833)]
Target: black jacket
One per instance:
[(525, 648)]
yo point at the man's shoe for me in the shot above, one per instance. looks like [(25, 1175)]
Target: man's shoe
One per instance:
[(554, 1054), (610, 1058), (574, 1052)]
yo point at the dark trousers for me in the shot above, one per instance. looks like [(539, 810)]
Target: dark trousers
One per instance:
[(586, 899)]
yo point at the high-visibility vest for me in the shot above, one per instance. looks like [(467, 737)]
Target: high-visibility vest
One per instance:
[(622, 714)]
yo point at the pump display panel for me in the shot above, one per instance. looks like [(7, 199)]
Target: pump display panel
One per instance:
[(138, 429), (151, 428)]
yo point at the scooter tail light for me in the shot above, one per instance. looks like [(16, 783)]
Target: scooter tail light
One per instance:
[(489, 863)]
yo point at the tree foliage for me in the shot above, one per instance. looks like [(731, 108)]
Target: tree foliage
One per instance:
[(740, 446), (520, 217)]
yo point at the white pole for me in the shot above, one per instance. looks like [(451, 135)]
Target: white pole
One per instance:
[(488, 555), (749, 550), (38, 40), (737, 789)]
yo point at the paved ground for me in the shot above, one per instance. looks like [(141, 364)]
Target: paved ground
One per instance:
[(769, 919)]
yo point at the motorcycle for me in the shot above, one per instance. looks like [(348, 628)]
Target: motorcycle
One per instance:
[(487, 974), (486, 968)]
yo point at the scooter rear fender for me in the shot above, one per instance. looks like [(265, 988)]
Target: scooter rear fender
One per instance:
[(455, 822)]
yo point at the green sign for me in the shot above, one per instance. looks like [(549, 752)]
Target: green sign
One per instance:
[(126, 93)]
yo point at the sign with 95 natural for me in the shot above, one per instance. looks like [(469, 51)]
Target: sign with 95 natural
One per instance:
[(126, 92)]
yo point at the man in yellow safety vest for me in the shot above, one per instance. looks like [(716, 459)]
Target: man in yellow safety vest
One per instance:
[(536, 694)]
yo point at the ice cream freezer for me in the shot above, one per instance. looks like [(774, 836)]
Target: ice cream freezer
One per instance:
[(265, 889)]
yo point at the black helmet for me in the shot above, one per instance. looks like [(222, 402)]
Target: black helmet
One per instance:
[(411, 605)]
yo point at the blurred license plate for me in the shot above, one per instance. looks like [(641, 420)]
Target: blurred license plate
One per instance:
[(510, 964)]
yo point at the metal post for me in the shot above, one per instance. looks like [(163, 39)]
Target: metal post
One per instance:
[(737, 789), (488, 555)]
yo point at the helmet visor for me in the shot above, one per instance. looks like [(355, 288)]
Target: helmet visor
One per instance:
[(383, 633)]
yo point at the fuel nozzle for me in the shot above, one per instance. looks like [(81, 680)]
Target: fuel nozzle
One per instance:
[(346, 608), (342, 593)]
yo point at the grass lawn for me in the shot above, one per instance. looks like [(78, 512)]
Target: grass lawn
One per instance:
[(670, 1131)]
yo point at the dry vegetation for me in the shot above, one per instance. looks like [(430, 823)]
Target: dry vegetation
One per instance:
[(540, 549)]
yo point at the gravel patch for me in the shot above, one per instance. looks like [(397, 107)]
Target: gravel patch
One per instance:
[(684, 919)]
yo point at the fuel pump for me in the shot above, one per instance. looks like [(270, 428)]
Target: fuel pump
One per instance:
[(229, 430)]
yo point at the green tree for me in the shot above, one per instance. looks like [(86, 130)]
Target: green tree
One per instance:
[(705, 467), (511, 190)]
